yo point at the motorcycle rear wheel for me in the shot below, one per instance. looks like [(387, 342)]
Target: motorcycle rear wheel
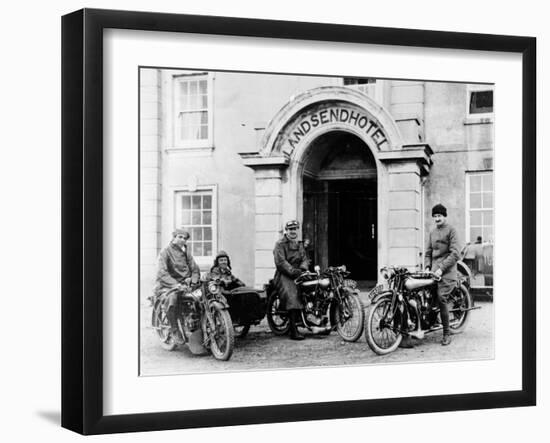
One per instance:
[(222, 338), (350, 318), (380, 334), (460, 299), (161, 325), (278, 322)]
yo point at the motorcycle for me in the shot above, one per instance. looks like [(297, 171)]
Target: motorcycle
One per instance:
[(246, 306), (203, 321), (331, 302), (408, 306)]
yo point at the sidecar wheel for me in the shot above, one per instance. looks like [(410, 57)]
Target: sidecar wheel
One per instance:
[(241, 330), (380, 334), (160, 324), (460, 299), (222, 338), (278, 322), (350, 318)]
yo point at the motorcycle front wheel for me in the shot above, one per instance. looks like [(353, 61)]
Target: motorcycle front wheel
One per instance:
[(160, 324), (350, 318), (459, 300), (222, 338), (381, 335), (277, 320)]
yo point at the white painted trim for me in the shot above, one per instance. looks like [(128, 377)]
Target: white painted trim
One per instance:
[(206, 260), (169, 108)]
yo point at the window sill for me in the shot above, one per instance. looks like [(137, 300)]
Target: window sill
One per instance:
[(191, 151), (479, 120)]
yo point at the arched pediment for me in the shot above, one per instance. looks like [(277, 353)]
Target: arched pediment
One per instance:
[(330, 108)]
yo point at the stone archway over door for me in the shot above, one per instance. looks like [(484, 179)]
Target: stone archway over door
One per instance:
[(279, 167)]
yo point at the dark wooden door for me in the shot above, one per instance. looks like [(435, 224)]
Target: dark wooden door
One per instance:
[(353, 227)]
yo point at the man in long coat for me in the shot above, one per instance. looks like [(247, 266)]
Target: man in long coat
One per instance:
[(442, 254), (290, 261), (175, 266)]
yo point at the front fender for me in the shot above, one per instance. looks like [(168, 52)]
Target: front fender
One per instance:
[(221, 304), (383, 294)]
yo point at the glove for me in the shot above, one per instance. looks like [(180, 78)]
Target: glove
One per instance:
[(296, 273)]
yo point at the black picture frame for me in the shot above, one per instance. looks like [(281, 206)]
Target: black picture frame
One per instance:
[(82, 218)]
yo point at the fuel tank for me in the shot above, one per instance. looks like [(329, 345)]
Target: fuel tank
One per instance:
[(323, 282), (415, 283)]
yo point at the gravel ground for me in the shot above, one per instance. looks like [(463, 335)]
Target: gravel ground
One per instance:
[(260, 349)]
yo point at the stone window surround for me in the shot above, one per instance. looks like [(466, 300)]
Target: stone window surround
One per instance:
[(171, 143)]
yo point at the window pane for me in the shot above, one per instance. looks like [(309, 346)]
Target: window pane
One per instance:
[(203, 86), (488, 182), (196, 201), (204, 103), (487, 234), (475, 183), (488, 218), (481, 102), (207, 201), (204, 132), (186, 217), (196, 217), (185, 202), (204, 118), (487, 200), (475, 200), (196, 234), (207, 233), (207, 218), (197, 249), (475, 218), (207, 248)]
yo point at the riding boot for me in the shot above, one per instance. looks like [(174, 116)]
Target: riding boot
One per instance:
[(444, 312), (172, 319), (293, 319)]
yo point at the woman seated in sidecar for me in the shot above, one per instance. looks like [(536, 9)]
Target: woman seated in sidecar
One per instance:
[(221, 270), (246, 305)]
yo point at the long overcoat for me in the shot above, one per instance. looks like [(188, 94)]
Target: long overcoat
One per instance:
[(290, 260), (443, 252)]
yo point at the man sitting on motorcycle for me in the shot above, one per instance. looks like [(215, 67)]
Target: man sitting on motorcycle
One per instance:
[(442, 254), (221, 270), (176, 269), (290, 261)]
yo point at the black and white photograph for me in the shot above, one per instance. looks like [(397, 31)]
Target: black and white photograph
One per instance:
[(301, 221)]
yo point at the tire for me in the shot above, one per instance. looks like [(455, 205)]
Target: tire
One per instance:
[(160, 324), (278, 322), (241, 330), (350, 321), (385, 340), (461, 298), (221, 335)]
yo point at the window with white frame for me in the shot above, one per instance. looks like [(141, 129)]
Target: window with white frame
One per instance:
[(480, 100), (193, 113), (480, 206), (195, 211), (368, 86)]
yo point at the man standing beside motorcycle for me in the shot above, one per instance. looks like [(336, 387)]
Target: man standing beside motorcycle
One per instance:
[(175, 267), (442, 254), (290, 261)]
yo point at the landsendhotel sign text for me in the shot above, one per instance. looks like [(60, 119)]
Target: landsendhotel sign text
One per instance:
[(337, 115)]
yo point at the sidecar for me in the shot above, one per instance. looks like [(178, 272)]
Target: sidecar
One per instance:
[(247, 307)]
